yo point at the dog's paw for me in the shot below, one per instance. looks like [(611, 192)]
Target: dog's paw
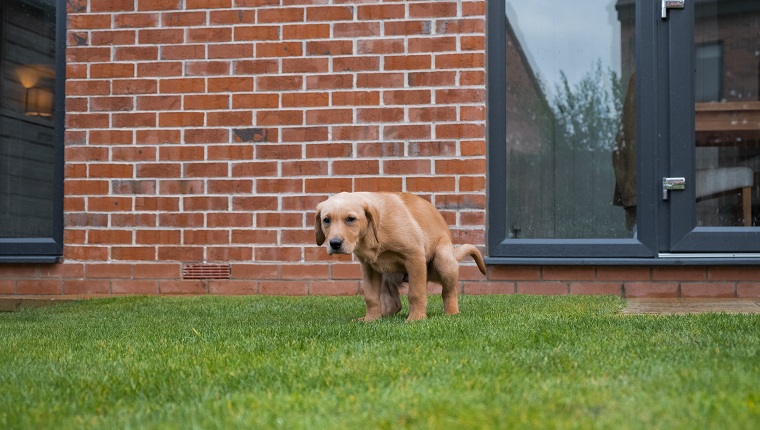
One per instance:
[(412, 317)]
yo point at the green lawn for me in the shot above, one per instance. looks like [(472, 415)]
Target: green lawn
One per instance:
[(264, 362)]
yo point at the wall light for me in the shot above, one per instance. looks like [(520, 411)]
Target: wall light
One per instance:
[(39, 102)]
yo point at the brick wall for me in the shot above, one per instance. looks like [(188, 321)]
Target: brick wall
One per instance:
[(206, 131)]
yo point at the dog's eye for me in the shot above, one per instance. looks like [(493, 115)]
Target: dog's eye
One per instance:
[(350, 219), (326, 220)]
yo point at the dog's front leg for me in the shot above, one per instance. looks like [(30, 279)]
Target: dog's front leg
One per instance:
[(417, 270), (372, 287)]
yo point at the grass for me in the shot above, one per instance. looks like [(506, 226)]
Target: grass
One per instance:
[(302, 363)]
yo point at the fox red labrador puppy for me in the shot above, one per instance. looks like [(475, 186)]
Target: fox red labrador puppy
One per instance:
[(395, 236)]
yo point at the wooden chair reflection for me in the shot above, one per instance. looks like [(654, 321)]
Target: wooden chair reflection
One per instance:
[(720, 180)]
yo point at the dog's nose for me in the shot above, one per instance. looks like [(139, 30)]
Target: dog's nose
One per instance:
[(336, 244)]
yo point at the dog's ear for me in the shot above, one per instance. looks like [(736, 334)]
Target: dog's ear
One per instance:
[(319, 235), (373, 221)]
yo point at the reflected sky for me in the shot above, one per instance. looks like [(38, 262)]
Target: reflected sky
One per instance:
[(567, 35)]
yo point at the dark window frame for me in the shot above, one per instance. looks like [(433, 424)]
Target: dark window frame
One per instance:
[(48, 249), (657, 222)]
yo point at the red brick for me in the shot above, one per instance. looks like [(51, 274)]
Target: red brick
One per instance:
[(230, 253), (433, 114), (183, 19), (406, 132), (284, 288), (161, 37), (331, 82), (183, 52), (380, 80), (38, 287), (408, 62), (229, 118), (354, 63), (259, 32), (406, 167), (279, 117), (109, 236), (281, 15), (134, 287), (279, 83), (135, 86), (729, 273), (489, 288), (407, 28), (156, 271), (233, 287), (86, 287), (255, 271), (382, 46), (707, 289), (182, 287), (382, 184), (356, 29), (688, 273), (231, 16), (208, 4), (306, 271), (279, 49), (356, 98), (207, 68), (134, 53), (133, 253), (180, 253), (346, 271), (542, 288), (438, 9), (455, 26), (305, 65), (748, 290), (112, 5), (597, 288), (381, 12), (460, 131), (650, 289), (8, 287), (334, 288), (406, 97), (329, 13), (209, 35), (460, 166), (306, 31)]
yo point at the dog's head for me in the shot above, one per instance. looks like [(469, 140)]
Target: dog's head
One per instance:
[(344, 221)]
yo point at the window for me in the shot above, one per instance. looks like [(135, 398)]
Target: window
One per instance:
[(609, 138), (709, 72), (32, 37)]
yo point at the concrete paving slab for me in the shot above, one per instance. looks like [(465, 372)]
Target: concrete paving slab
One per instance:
[(691, 306)]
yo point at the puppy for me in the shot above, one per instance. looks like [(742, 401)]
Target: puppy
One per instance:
[(395, 236)]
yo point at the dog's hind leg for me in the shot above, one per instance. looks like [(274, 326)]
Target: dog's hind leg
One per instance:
[(445, 270), (389, 296)]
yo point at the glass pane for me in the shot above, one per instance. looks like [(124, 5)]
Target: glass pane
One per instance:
[(27, 77), (571, 153), (727, 46)]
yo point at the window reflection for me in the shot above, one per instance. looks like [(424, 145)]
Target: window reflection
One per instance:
[(27, 45), (570, 158), (727, 108)]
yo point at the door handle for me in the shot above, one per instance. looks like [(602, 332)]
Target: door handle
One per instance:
[(671, 4), (669, 184)]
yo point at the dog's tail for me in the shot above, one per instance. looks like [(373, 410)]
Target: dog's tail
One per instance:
[(463, 251)]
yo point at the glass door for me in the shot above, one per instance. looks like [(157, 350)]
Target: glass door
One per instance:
[(713, 135)]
